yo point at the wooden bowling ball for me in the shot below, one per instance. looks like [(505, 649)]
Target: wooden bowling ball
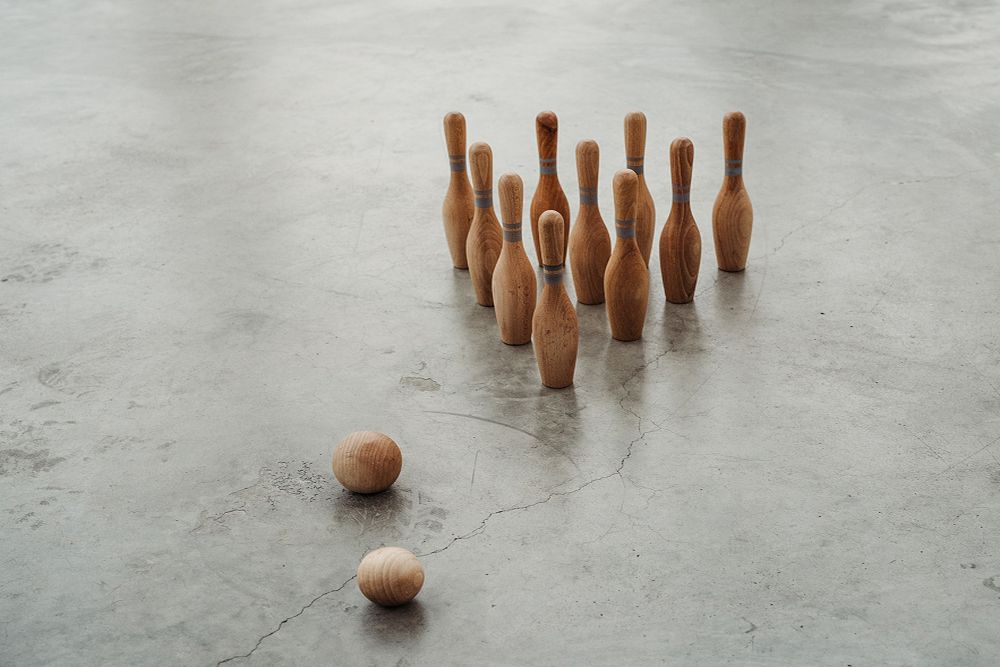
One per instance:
[(367, 462), (390, 576)]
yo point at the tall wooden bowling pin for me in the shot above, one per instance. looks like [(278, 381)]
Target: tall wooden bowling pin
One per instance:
[(635, 157), (680, 241), (555, 330), (485, 240), (514, 276), (549, 194), (626, 280), (589, 243), (457, 210), (732, 215)]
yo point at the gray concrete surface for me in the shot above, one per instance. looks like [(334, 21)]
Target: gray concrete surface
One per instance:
[(220, 251)]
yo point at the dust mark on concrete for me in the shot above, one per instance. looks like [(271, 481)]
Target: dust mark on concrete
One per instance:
[(991, 583), (13, 461), (419, 383), (43, 404)]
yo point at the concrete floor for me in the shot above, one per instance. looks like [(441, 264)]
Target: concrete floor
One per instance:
[(220, 251)]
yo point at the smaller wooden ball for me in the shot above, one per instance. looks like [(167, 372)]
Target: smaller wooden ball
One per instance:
[(367, 462), (390, 576)]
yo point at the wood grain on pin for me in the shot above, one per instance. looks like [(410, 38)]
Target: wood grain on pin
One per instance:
[(626, 281), (390, 576), (555, 329), (680, 241), (367, 462), (635, 157), (589, 242), (458, 208), (514, 275), (732, 215), (549, 194), (485, 238)]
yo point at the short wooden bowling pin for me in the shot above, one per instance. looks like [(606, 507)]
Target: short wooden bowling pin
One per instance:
[(680, 241), (635, 158), (732, 215), (514, 275), (485, 239), (589, 242), (555, 330), (626, 280), (457, 211), (549, 194)]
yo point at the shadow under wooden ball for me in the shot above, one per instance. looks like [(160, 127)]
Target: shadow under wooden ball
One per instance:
[(367, 462)]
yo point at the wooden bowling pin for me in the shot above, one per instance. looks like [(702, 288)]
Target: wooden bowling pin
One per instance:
[(549, 194), (485, 240), (635, 156), (626, 280), (589, 242), (457, 210), (514, 276), (555, 330), (680, 241), (732, 215)]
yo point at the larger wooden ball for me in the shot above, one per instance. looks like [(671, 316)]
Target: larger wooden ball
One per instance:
[(367, 462), (390, 576)]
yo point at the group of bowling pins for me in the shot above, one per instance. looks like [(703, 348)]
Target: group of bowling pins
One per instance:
[(504, 278)]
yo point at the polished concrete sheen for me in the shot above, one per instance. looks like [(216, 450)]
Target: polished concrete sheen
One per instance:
[(221, 251)]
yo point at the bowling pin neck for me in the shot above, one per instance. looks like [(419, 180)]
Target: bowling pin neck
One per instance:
[(551, 233), (625, 231), (734, 127), (553, 275), (733, 179), (484, 198), (681, 162), (635, 141), (636, 164), (512, 234), (588, 158), (454, 134), (625, 187), (547, 169), (547, 134), (457, 163), (481, 168)]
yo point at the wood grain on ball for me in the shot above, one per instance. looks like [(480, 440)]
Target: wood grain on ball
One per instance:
[(367, 462), (390, 576)]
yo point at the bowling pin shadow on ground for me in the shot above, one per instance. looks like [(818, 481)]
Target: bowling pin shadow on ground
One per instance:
[(682, 327)]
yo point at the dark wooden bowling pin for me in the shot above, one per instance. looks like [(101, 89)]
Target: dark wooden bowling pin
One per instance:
[(589, 242), (485, 240), (555, 330), (635, 158), (680, 241), (626, 280), (732, 215), (549, 193), (514, 275)]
